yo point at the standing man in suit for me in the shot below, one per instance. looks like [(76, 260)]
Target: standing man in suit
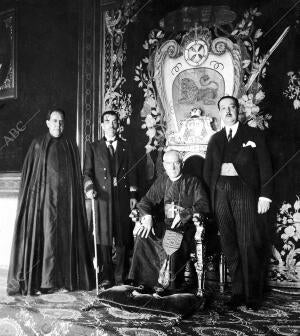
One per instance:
[(109, 177), (238, 170)]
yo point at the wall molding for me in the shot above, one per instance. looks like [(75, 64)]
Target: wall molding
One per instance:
[(9, 184), (97, 69), (89, 71)]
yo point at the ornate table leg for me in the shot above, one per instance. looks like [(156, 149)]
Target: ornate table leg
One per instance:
[(198, 259)]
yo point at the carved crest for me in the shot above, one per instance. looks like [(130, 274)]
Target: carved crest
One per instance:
[(194, 76)]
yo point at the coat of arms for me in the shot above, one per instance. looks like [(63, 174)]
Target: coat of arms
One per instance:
[(191, 77)]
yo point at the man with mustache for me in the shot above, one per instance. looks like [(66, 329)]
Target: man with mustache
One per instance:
[(50, 248), (109, 177), (238, 172)]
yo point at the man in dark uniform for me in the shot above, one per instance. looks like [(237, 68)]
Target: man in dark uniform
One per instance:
[(50, 248), (238, 172), (109, 177)]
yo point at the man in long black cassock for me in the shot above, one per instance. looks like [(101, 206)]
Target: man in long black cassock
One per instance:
[(50, 248), (182, 196)]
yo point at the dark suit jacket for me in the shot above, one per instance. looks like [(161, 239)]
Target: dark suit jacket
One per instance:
[(97, 176), (253, 164)]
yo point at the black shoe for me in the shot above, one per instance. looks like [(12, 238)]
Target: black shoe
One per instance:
[(105, 284), (36, 293), (253, 305), (119, 283), (161, 291), (143, 289), (48, 290), (129, 282), (235, 302)]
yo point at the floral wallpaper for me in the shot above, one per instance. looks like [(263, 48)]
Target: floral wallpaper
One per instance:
[(293, 90), (115, 57), (285, 259)]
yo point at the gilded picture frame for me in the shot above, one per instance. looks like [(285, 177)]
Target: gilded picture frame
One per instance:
[(8, 68)]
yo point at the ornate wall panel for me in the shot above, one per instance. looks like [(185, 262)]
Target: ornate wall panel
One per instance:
[(101, 56), (89, 65)]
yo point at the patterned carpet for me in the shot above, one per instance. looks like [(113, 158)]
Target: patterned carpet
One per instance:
[(61, 314)]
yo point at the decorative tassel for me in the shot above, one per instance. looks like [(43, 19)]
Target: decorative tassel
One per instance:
[(164, 273)]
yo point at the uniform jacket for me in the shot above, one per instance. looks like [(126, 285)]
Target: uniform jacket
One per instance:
[(252, 162), (97, 176)]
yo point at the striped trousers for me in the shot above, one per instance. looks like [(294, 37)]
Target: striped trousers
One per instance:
[(243, 238)]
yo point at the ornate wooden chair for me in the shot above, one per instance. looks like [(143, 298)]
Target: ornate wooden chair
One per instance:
[(197, 256)]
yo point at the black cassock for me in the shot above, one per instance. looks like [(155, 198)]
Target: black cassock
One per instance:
[(187, 193), (50, 247)]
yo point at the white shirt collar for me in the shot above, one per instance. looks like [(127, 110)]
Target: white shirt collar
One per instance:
[(113, 139), (114, 142), (176, 178), (233, 127)]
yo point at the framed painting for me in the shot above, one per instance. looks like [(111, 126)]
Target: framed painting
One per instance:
[(8, 71)]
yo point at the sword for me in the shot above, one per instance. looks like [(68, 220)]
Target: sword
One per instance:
[(95, 245), (268, 54)]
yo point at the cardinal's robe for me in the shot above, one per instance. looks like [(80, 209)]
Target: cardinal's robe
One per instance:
[(188, 195)]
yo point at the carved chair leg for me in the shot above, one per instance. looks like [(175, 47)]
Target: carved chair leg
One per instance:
[(222, 271), (199, 258)]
